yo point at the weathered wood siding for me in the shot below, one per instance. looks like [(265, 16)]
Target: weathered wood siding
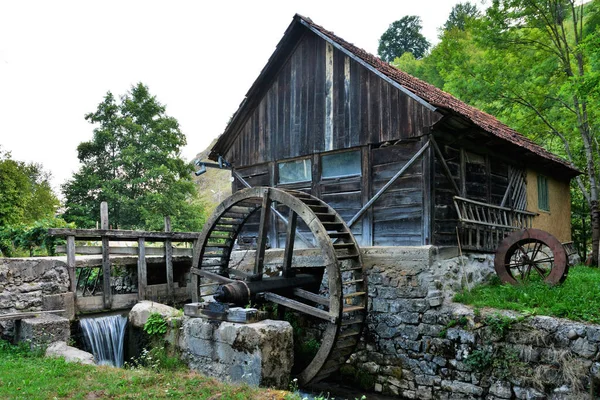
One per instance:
[(322, 100), (479, 176)]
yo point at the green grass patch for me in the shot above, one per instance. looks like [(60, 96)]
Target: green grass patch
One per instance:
[(27, 375), (578, 298)]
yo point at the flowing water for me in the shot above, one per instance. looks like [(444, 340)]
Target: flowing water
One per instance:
[(105, 335)]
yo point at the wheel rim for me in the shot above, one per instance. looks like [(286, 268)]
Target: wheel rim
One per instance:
[(345, 301), (531, 254)]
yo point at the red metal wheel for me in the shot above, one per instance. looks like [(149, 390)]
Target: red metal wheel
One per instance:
[(531, 254)]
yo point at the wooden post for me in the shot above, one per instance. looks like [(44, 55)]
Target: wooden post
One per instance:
[(141, 269), (261, 240), (194, 283), (106, 288), (71, 263), (169, 263)]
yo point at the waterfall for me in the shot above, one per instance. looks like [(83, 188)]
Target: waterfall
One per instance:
[(104, 335)]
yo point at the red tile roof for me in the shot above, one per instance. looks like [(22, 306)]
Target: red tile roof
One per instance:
[(441, 99)]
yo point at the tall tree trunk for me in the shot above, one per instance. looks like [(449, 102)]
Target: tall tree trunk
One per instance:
[(595, 211)]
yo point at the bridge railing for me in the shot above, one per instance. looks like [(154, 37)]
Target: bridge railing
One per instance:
[(105, 235)]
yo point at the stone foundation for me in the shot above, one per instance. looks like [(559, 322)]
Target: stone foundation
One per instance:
[(33, 284), (257, 354)]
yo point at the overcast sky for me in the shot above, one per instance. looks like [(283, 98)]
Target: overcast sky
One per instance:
[(59, 58)]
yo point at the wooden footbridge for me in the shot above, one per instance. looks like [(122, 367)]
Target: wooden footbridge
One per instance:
[(94, 270)]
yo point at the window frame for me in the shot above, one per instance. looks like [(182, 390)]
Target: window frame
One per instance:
[(337, 153), (290, 161)]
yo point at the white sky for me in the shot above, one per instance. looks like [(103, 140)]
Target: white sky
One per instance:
[(59, 58)]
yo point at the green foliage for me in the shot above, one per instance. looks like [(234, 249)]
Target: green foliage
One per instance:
[(25, 192), (534, 64), (461, 15), (498, 361), (133, 163), (31, 240), (462, 322), (156, 325), (403, 36), (157, 359), (27, 375), (499, 324), (577, 298)]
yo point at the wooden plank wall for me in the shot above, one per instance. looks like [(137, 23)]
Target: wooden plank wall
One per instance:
[(305, 101), (398, 214)]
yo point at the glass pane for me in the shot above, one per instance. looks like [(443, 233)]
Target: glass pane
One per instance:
[(295, 171), (341, 164)]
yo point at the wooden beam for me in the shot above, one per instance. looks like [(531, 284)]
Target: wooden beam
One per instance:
[(169, 263), (289, 245), (106, 288), (261, 242), (142, 269), (71, 264), (194, 278), (124, 235), (28, 314), (445, 166), (296, 305)]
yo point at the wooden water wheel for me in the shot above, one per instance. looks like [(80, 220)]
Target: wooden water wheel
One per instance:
[(531, 254), (332, 295)]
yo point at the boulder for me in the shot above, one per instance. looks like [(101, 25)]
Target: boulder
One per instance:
[(70, 354), (141, 311)]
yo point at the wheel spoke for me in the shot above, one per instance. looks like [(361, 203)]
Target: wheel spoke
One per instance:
[(261, 241)]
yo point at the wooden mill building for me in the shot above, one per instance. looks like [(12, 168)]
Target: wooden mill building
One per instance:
[(329, 118)]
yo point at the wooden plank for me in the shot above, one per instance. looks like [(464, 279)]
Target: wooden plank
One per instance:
[(169, 262), (142, 269), (125, 251), (316, 298), (289, 245), (262, 234), (296, 305), (95, 303), (367, 219), (106, 288), (124, 235), (71, 264)]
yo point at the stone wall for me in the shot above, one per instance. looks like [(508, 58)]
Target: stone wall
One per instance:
[(33, 284), (420, 345)]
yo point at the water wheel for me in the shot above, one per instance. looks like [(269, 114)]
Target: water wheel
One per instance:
[(531, 254), (333, 294)]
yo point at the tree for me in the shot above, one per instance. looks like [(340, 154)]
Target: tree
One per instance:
[(535, 64), (25, 192), (460, 16), (403, 36), (133, 163)]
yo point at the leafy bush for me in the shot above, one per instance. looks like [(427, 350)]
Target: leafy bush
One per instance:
[(31, 240), (156, 325)]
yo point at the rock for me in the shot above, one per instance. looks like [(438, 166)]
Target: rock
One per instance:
[(528, 394), (501, 389), (70, 354), (141, 311), (572, 334), (462, 387), (257, 354), (45, 329), (584, 348)]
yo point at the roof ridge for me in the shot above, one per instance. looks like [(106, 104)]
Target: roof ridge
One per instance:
[(441, 99)]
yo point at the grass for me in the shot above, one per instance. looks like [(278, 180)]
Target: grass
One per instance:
[(28, 375), (578, 298)]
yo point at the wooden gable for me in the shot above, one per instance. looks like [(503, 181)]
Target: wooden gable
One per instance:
[(321, 99)]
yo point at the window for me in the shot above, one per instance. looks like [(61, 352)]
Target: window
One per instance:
[(543, 202), (295, 171), (341, 164)]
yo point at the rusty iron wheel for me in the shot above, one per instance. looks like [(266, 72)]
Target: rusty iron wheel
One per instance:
[(529, 255), (339, 311)]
